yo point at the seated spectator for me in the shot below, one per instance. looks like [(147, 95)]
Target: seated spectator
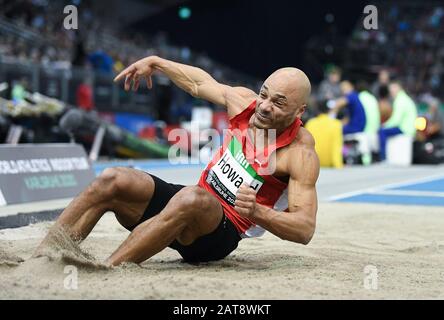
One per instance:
[(385, 106), (355, 121), (18, 92), (383, 80), (402, 120), (84, 95), (371, 109), (329, 88), (435, 121), (327, 133), (101, 61)]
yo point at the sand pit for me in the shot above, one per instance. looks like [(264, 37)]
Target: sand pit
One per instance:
[(405, 244)]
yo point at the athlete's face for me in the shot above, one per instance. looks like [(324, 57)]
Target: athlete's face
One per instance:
[(278, 105)]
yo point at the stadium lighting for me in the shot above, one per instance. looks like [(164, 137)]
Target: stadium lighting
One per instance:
[(184, 13), (421, 123)]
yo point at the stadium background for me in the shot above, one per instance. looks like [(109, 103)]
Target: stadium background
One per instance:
[(244, 46), (56, 86)]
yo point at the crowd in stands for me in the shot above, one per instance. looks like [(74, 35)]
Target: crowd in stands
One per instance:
[(105, 49), (409, 39), (95, 44), (405, 54), (377, 116)]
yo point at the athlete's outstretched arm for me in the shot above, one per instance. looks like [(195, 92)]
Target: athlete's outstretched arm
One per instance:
[(297, 225), (193, 80)]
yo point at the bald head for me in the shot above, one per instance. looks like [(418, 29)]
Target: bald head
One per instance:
[(282, 98), (293, 83)]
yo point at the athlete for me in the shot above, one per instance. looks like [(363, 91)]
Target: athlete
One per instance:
[(240, 194)]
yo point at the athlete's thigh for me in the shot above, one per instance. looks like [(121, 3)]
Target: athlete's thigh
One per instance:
[(205, 216)]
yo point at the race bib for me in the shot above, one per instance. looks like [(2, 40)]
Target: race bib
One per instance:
[(231, 171)]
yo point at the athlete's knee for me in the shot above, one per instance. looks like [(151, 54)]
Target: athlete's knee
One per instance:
[(110, 183), (194, 197), (192, 200)]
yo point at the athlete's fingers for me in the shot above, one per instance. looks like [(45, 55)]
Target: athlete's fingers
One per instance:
[(128, 80), (149, 82), (136, 82), (244, 204), (245, 188), (246, 197), (242, 211), (124, 73)]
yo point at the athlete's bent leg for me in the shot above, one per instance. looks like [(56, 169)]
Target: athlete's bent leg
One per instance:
[(190, 214), (124, 191)]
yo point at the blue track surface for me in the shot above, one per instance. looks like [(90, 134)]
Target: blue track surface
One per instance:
[(395, 199), (415, 194), (435, 185)]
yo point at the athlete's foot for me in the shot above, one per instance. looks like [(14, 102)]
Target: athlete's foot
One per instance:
[(57, 239), (108, 263)]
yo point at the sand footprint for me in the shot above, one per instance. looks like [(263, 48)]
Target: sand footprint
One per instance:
[(8, 259)]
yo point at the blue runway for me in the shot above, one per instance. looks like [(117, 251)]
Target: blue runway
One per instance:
[(435, 185), (422, 193)]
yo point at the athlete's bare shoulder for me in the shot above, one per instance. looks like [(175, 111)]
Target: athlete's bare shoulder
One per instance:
[(246, 93), (238, 99), (302, 160), (304, 139)]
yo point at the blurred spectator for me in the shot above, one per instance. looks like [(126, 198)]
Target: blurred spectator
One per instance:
[(385, 107), (98, 43), (327, 133), (18, 92), (84, 95), (329, 88), (412, 45), (118, 65), (371, 109), (383, 80), (80, 56), (101, 61), (435, 120), (355, 120), (402, 120)]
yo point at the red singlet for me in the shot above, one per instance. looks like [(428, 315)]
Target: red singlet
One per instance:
[(231, 167)]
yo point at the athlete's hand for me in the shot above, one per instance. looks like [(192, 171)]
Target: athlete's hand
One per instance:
[(142, 68), (245, 203)]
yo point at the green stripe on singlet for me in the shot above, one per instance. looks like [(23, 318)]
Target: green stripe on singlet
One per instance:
[(235, 148)]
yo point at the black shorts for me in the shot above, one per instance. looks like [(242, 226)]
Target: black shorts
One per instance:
[(213, 246)]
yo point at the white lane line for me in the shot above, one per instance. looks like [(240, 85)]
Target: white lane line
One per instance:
[(386, 186), (409, 193), (2, 199)]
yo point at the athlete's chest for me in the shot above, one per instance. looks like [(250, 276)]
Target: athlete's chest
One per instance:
[(246, 157)]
